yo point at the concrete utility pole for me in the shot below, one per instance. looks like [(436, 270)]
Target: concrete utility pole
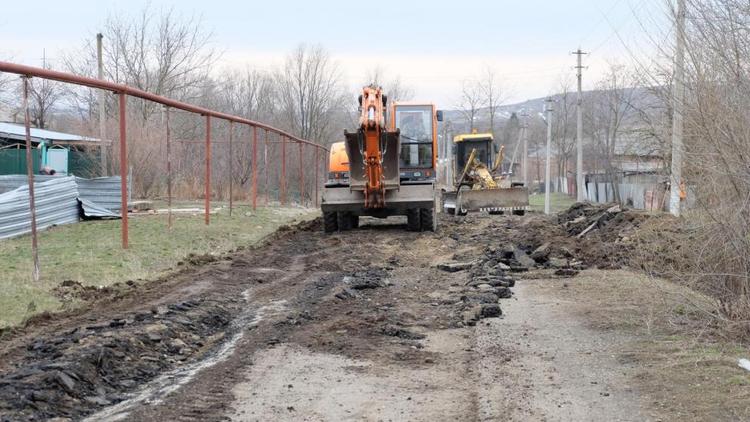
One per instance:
[(548, 107), (580, 185), (102, 123), (525, 158), (678, 104)]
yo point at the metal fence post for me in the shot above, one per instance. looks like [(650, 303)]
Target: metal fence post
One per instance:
[(231, 159), (265, 163), (301, 178), (316, 181), (255, 167), (208, 167), (169, 171), (282, 187), (30, 176), (123, 170)]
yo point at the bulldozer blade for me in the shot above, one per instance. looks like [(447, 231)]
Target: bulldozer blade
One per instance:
[(509, 199), (357, 171)]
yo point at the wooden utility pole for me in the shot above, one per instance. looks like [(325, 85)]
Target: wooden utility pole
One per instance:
[(102, 117), (548, 108), (580, 185), (678, 106)]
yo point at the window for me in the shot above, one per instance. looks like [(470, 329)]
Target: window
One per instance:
[(415, 123)]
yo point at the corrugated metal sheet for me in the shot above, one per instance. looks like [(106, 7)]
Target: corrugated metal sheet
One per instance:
[(56, 203), (102, 191), (93, 210), (14, 181)]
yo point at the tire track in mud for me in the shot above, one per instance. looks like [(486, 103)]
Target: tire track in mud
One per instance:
[(68, 366), (207, 394), (369, 295)]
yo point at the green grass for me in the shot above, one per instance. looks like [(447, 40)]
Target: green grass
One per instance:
[(90, 252), (557, 202)]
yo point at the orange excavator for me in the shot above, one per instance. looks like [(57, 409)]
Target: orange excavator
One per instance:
[(376, 186)]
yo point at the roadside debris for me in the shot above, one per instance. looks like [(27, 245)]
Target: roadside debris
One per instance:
[(453, 267), (584, 236), (90, 366)]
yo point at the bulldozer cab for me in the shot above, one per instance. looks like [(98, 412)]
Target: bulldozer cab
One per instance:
[(465, 144)]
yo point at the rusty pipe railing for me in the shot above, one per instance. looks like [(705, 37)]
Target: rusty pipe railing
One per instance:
[(135, 92), (124, 90)]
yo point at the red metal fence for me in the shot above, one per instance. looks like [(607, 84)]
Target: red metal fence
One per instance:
[(123, 91)]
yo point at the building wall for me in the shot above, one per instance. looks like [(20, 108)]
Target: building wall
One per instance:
[(13, 161)]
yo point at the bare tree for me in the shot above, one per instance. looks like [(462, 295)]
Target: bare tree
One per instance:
[(716, 257), (471, 101), (163, 53), (564, 127), (493, 94), (611, 106), (252, 94), (394, 87), (310, 93), (43, 95)]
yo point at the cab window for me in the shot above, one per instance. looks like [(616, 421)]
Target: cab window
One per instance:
[(415, 124)]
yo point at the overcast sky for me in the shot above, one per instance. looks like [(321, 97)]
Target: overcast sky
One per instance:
[(431, 45)]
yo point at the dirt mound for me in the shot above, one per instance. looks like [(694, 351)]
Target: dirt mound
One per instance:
[(583, 236), (71, 290), (611, 221)]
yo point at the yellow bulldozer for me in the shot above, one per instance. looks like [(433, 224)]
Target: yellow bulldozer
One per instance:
[(478, 183)]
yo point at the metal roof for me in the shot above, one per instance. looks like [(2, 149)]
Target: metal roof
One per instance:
[(18, 132)]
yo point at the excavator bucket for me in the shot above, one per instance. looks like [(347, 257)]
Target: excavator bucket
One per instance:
[(391, 169), (357, 176)]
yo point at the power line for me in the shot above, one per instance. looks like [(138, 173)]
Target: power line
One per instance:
[(599, 22), (616, 28)]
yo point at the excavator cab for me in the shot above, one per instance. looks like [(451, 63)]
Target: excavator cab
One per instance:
[(417, 158)]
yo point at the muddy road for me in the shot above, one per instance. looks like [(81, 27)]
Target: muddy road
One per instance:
[(373, 324)]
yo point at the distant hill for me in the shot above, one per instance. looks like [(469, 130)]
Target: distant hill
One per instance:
[(533, 107)]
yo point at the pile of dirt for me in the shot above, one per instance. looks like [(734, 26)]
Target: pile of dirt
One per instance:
[(584, 236), (610, 221), (71, 290), (92, 365)]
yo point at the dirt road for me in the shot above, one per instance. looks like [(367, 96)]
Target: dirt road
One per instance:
[(363, 325)]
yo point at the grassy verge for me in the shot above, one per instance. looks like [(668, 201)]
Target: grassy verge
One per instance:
[(684, 363), (90, 252), (557, 202)]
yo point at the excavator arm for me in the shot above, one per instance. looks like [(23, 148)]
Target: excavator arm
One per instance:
[(373, 150)]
